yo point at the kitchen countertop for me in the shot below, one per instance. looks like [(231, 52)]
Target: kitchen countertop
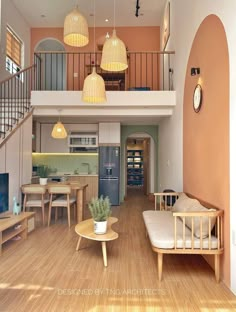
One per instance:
[(63, 174), (81, 175)]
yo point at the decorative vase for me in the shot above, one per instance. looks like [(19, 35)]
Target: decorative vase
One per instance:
[(16, 207), (100, 227), (43, 181)]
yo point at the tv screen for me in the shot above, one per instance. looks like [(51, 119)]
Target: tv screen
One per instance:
[(4, 197)]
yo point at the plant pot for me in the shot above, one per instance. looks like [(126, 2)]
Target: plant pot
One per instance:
[(100, 227), (43, 181)]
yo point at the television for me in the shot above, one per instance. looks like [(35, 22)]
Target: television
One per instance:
[(4, 192)]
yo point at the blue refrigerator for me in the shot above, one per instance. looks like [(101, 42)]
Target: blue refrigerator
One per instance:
[(109, 173)]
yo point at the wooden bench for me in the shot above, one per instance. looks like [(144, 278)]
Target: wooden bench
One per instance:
[(187, 227)]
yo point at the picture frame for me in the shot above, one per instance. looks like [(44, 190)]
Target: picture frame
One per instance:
[(166, 26)]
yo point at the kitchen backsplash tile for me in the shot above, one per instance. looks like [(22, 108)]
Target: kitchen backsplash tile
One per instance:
[(67, 162)]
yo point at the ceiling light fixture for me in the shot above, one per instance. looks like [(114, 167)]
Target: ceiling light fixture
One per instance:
[(114, 57), (195, 71), (94, 85), (76, 32), (59, 131)]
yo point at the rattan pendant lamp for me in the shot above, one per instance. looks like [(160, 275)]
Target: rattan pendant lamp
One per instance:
[(94, 85), (59, 131), (114, 56), (76, 32)]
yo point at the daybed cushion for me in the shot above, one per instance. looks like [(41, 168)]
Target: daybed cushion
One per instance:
[(160, 228), (185, 203)]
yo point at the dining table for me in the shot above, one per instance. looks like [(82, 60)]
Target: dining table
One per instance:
[(80, 191)]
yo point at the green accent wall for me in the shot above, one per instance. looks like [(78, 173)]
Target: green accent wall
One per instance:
[(66, 162), (126, 131)]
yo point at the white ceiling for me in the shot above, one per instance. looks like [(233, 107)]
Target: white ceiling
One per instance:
[(51, 13)]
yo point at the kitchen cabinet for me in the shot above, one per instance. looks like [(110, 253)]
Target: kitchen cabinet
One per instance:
[(49, 144), (135, 167), (46, 144), (109, 133), (91, 180), (82, 142)]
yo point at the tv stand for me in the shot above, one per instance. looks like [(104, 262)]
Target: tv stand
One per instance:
[(14, 225)]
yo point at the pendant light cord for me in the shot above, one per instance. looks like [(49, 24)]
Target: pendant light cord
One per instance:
[(114, 14), (94, 11)]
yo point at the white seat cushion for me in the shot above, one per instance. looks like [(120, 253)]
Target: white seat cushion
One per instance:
[(62, 202), (160, 228)]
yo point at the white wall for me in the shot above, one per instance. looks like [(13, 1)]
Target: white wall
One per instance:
[(16, 159), (183, 29), (10, 16)]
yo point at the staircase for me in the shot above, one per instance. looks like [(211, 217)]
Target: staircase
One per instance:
[(15, 100)]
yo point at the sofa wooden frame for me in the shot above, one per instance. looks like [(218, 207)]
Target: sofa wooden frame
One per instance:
[(161, 200)]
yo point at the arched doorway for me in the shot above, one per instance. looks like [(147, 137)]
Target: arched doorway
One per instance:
[(53, 65), (139, 161), (148, 132)]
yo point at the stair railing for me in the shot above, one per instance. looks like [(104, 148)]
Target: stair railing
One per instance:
[(15, 94)]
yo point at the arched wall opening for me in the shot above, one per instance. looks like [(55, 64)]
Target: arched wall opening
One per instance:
[(53, 65), (206, 133), (147, 131)]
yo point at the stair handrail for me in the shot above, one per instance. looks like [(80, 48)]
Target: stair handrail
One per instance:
[(17, 74), (15, 98)]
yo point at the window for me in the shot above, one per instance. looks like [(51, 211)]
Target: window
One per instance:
[(13, 52)]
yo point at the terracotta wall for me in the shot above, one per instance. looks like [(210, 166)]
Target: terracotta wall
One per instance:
[(206, 134), (135, 38)]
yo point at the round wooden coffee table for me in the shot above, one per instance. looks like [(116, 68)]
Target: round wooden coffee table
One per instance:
[(86, 229)]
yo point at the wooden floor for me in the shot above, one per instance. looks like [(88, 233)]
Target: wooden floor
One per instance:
[(46, 274)]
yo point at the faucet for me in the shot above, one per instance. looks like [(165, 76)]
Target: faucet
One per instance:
[(88, 165), (76, 171)]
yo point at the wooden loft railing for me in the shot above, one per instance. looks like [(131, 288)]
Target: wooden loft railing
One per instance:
[(15, 93), (67, 70)]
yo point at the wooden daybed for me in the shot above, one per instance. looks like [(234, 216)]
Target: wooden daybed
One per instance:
[(186, 227)]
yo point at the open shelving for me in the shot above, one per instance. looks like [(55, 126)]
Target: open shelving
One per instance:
[(135, 167), (12, 226)]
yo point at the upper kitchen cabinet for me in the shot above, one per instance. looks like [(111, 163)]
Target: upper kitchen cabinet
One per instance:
[(109, 133), (49, 144), (46, 144)]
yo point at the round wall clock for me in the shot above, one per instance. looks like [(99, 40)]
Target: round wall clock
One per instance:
[(197, 98)]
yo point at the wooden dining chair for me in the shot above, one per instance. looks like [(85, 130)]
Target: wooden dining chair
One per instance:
[(60, 196), (35, 197)]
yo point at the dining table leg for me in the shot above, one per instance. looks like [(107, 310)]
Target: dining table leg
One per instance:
[(81, 203)]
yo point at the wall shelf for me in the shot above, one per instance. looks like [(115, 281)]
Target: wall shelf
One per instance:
[(135, 167)]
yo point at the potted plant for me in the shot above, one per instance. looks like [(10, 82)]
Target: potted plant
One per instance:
[(100, 209), (43, 172)]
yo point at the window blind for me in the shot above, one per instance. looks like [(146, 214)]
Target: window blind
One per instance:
[(13, 47)]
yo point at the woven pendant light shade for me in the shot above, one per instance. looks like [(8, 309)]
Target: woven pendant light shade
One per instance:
[(114, 57), (94, 88), (59, 131), (76, 29)]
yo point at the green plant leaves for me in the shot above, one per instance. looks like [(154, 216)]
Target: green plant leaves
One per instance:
[(100, 208)]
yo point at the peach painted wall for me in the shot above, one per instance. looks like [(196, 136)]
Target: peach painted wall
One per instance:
[(148, 37), (148, 40), (206, 134)]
